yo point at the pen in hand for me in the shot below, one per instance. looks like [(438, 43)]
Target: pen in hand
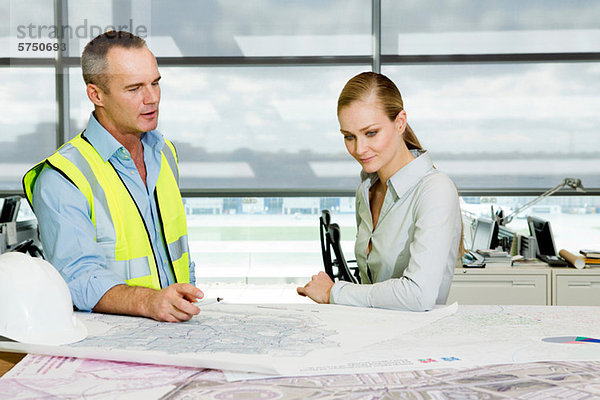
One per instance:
[(206, 302)]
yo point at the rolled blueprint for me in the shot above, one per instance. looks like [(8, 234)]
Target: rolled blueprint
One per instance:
[(577, 262)]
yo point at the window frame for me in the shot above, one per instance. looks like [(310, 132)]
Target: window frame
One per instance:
[(62, 63)]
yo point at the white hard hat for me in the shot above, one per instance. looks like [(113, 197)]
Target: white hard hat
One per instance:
[(35, 303)]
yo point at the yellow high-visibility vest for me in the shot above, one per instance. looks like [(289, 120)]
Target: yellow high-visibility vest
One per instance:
[(120, 228)]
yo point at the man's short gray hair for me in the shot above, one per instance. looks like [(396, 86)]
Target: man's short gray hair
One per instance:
[(93, 58)]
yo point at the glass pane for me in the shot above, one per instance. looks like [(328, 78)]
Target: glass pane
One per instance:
[(506, 125), (263, 240), (28, 121), (575, 220), (5, 41), (233, 28), (276, 240), (251, 128), (80, 106), (90, 18), (497, 26), (27, 29)]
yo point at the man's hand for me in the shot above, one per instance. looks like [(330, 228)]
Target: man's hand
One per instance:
[(174, 303), (318, 289), (171, 304)]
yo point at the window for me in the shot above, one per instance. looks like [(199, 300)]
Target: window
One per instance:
[(492, 27), (503, 93), (263, 240), (250, 128), (506, 125), (28, 121), (230, 28)]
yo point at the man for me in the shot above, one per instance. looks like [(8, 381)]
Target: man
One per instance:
[(110, 213)]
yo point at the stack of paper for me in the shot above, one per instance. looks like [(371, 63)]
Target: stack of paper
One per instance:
[(592, 257), (493, 256)]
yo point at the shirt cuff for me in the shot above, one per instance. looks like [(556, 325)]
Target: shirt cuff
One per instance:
[(335, 291), (87, 291), (351, 294)]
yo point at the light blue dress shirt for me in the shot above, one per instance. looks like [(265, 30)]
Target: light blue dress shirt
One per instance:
[(67, 232), (414, 244)]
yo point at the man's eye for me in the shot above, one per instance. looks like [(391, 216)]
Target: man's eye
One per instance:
[(133, 89)]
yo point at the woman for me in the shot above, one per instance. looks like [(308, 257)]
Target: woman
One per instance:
[(407, 212)]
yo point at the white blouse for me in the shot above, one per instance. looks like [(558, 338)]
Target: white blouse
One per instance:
[(414, 246)]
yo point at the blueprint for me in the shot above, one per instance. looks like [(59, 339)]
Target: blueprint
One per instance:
[(239, 330), (473, 336), (54, 377), (51, 377), (271, 339)]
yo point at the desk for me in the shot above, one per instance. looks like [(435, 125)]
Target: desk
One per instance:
[(475, 326), (573, 287), (501, 285), (527, 285), (8, 360)]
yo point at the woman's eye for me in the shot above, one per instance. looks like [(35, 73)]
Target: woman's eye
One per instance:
[(371, 133), (348, 137)]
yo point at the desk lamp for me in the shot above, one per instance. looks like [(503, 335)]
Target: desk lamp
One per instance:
[(572, 183)]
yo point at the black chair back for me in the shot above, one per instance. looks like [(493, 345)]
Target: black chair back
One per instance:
[(334, 261)]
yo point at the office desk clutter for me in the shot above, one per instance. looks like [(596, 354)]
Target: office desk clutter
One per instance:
[(501, 246), (546, 249), (593, 254), (486, 248), (590, 257), (495, 256), (573, 259), (21, 236)]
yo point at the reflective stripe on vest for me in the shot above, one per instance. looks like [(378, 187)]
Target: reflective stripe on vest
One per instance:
[(120, 229)]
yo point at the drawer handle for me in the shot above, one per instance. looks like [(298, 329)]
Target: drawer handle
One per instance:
[(580, 284), (524, 283)]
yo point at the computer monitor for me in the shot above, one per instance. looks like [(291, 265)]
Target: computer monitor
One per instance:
[(10, 209), (486, 233), (542, 232)]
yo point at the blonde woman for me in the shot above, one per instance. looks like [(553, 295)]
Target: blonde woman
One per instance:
[(407, 212)]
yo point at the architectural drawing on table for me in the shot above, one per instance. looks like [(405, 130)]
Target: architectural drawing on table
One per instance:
[(216, 331), (96, 379)]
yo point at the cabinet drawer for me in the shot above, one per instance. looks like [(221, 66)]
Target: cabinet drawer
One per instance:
[(577, 290), (499, 289)]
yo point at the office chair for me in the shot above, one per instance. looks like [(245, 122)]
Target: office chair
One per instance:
[(335, 263)]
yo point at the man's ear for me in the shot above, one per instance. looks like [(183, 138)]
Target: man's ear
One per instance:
[(95, 94), (400, 121)]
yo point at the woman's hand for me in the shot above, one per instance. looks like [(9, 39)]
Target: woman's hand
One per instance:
[(318, 288)]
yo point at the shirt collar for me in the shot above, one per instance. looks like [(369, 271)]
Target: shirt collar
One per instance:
[(106, 145), (406, 177)]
